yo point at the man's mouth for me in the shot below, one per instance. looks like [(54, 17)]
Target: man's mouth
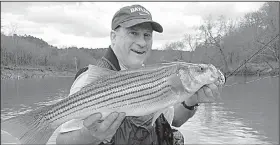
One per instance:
[(138, 52)]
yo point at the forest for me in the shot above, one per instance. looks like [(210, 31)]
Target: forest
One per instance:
[(227, 44)]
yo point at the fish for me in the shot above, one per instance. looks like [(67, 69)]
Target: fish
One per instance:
[(137, 92)]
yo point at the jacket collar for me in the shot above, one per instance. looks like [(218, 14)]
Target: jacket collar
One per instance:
[(112, 58)]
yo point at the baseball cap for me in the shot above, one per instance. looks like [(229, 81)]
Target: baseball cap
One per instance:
[(132, 15)]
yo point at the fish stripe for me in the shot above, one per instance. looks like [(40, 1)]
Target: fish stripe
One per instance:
[(128, 98), (83, 103), (72, 98), (138, 97), (103, 88), (95, 93), (144, 100)]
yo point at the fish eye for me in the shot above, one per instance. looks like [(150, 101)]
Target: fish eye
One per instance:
[(201, 68)]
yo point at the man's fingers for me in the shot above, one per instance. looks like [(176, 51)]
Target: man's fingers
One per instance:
[(108, 121), (117, 123), (91, 119), (215, 91), (213, 87), (212, 92), (207, 91), (207, 94)]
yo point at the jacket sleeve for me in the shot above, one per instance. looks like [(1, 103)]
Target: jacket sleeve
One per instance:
[(80, 72)]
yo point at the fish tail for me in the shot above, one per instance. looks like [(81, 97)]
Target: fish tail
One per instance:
[(29, 128)]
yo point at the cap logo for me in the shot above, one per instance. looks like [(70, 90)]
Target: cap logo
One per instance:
[(139, 9)]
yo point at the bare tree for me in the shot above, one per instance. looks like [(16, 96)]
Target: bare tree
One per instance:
[(192, 42), (212, 38), (176, 45)]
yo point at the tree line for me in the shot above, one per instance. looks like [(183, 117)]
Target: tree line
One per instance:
[(227, 43), (34, 52)]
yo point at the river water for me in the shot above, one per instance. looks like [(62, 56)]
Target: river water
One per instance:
[(247, 114)]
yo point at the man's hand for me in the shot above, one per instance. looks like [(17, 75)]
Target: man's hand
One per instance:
[(94, 131), (105, 129), (206, 94)]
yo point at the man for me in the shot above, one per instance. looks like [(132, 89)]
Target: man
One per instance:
[(131, 44)]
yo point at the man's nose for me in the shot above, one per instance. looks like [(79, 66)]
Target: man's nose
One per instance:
[(141, 41)]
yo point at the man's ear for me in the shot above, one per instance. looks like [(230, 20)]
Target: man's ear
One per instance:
[(113, 36)]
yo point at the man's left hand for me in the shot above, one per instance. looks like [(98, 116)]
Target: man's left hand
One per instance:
[(206, 94)]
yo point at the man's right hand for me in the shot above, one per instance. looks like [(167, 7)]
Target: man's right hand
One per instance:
[(94, 131)]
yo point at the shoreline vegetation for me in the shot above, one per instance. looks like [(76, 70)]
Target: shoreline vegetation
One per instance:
[(12, 72)]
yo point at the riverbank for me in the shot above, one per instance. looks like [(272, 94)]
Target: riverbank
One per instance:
[(11, 72), (257, 69)]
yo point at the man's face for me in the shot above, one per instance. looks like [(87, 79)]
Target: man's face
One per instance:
[(133, 45)]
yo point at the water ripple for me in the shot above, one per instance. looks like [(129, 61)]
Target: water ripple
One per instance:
[(22, 108), (212, 124)]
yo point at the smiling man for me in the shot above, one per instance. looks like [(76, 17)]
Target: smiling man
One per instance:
[(132, 37), (131, 44)]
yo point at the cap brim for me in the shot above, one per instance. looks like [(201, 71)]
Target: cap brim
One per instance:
[(156, 26)]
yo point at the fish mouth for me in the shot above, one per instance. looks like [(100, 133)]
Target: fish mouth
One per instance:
[(221, 80), (218, 75), (138, 52)]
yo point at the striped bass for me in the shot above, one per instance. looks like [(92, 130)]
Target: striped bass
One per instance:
[(136, 92)]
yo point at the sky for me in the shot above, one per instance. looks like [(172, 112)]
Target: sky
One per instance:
[(88, 24)]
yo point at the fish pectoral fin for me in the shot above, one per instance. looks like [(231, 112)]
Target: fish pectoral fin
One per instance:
[(156, 115), (92, 74), (176, 83), (167, 112)]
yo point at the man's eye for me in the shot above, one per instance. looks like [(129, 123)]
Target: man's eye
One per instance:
[(148, 35), (134, 33)]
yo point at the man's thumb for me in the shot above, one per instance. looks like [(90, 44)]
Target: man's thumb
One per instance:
[(91, 119)]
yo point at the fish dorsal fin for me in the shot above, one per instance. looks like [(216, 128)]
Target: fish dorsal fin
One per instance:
[(156, 115), (148, 68), (91, 75)]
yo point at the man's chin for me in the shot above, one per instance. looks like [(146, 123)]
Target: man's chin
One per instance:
[(136, 65), (136, 60)]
